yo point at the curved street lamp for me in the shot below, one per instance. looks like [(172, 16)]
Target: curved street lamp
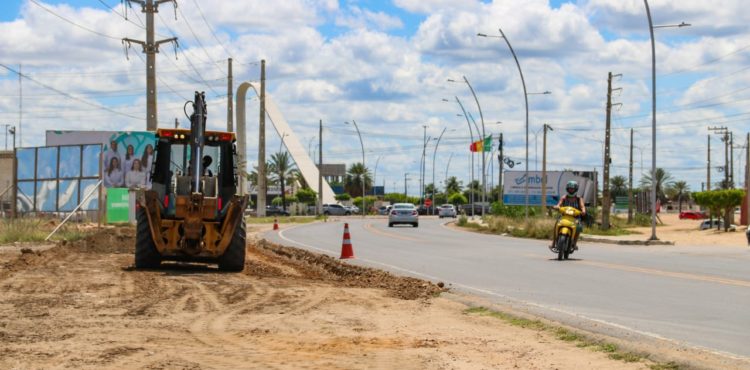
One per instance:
[(471, 135), (653, 115), (526, 102), (481, 118), (364, 175), (434, 154)]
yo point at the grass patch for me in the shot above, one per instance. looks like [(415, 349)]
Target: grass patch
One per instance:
[(30, 230), (612, 231), (664, 366), (566, 335), (283, 219)]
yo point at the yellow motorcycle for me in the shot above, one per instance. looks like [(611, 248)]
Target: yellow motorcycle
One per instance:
[(566, 231)]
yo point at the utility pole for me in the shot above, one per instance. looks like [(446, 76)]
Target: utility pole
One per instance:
[(500, 169), (606, 197), (630, 181), (747, 179), (20, 107), (725, 138), (150, 48), (708, 165), (422, 165), (544, 168), (731, 183), (262, 143), (230, 97), (320, 167), (176, 123), (406, 178)]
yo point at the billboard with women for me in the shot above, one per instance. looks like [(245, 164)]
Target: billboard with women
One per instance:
[(127, 156)]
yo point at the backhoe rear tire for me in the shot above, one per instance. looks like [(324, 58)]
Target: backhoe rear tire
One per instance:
[(146, 254), (233, 258)]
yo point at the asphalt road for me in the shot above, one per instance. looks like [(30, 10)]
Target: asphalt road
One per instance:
[(692, 296)]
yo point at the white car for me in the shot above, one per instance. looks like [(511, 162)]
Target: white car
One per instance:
[(353, 209), (403, 213), (447, 210)]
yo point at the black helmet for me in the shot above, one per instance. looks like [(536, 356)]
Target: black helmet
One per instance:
[(571, 187)]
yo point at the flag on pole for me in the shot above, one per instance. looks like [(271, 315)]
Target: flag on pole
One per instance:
[(482, 145)]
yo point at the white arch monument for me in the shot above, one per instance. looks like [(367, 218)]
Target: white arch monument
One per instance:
[(305, 164)]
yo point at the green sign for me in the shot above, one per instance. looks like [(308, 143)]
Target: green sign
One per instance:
[(117, 205), (621, 202)]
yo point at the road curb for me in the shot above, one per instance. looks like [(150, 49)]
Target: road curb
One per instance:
[(626, 242)]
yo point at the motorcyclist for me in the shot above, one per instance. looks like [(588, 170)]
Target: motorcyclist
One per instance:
[(571, 199)]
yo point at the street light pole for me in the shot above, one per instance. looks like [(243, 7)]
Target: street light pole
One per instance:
[(653, 116), (526, 102), (434, 154), (364, 169), (471, 135), (375, 177), (482, 137)]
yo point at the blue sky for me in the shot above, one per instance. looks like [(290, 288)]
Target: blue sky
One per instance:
[(385, 64)]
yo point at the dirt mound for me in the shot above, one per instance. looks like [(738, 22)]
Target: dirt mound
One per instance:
[(108, 240), (264, 260), (321, 267)]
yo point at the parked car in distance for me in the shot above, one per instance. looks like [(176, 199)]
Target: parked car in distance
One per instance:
[(403, 213), (384, 210), (715, 223), (276, 211), (335, 210), (447, 210), (352, 209), (692, 215)]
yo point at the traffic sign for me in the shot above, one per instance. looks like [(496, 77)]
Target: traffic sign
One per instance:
[(428, 202)]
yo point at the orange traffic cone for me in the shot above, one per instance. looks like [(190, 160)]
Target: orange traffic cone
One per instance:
[(346, 246), (275, 224)]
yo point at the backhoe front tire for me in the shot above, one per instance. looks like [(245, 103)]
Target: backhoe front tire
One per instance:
[(146, 254), (233, 258)]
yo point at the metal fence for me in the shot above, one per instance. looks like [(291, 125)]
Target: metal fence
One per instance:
[(56, 179)]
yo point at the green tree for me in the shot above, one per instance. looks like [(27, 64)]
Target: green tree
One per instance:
[(343, 197), (280, 168), (663, 180), (307, 196), (473, 188), (457, 199), (681, 190), (618, 186), (370, 200), (354, 177), (453, 186), (720, 202)]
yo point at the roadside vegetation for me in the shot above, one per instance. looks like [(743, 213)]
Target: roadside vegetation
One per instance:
[(283, 219), (579, 339), (36, 230)]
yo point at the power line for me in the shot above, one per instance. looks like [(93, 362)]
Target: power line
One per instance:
[(74, 23), (69, 95), (197, 39), (211, 28)]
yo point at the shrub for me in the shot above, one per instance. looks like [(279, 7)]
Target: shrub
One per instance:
[(500, 209), (462, 220)]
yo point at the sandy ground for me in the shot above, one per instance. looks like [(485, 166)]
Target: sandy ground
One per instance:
[(81, 305), (686, 232)]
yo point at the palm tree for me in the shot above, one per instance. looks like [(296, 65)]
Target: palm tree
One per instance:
[(681, 188), (663, 180), (353, 181), (618, 186), (280, 167), (253, 176), (452, 186)]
